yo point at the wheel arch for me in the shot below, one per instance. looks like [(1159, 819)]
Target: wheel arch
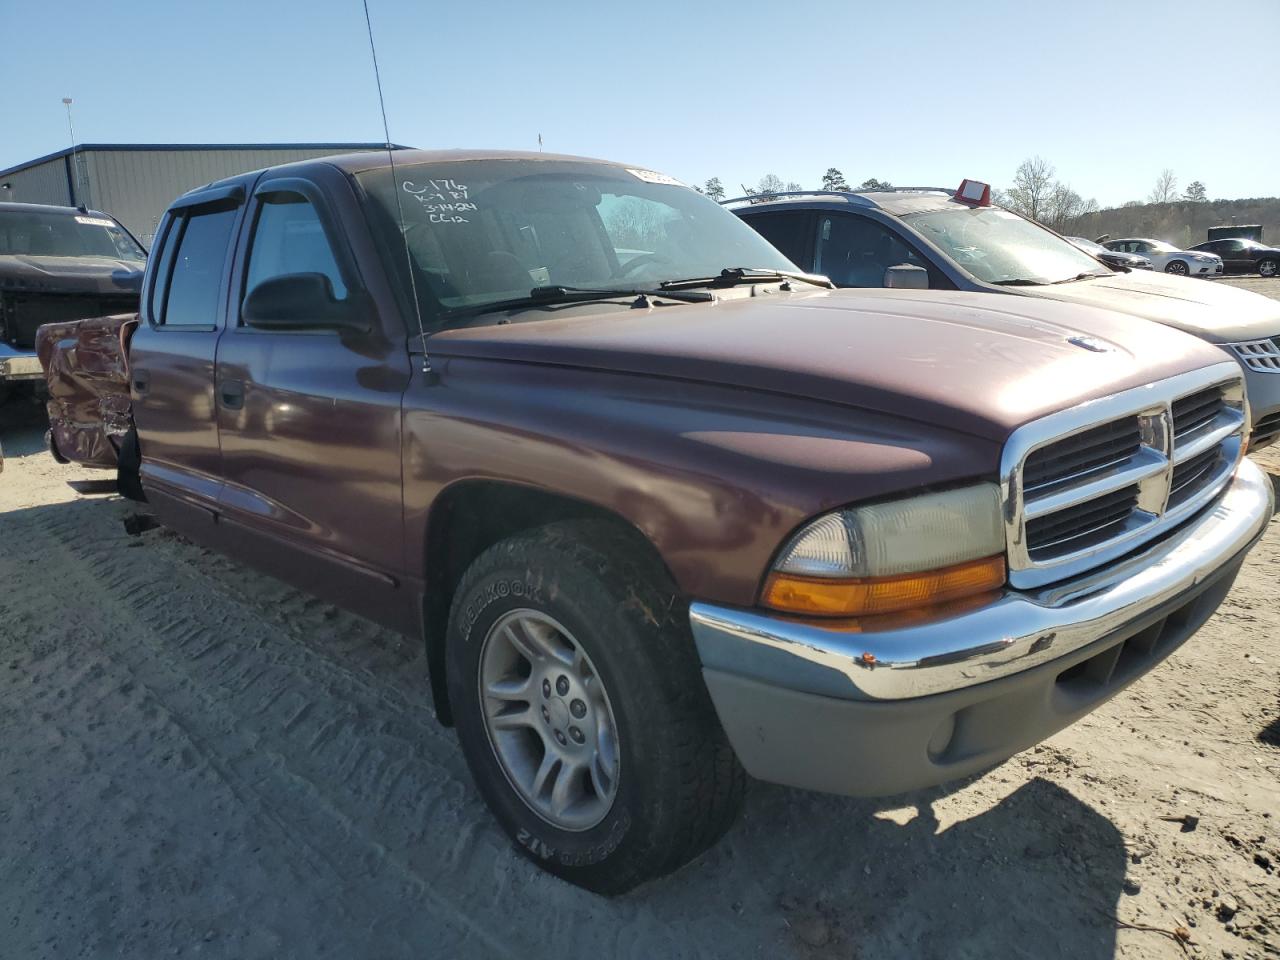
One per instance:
[(467, 518)]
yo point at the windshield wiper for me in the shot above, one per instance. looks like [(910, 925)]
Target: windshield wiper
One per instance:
[(553, 295), (732, 276), (1020, 282), (1083, 276)]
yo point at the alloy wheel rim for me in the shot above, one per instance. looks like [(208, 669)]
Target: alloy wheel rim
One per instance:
[(1268, 268), (1177, 268), (549, 721)]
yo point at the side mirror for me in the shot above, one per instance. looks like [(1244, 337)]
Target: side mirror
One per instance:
[(303, 301), (130, 280), (906, 276)]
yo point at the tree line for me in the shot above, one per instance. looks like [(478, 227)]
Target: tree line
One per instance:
[(771, 184), (1036, 193)]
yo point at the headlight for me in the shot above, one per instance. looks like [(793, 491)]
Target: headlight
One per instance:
[(892, 556)]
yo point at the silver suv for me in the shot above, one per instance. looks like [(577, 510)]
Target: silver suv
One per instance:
[(856, 237)]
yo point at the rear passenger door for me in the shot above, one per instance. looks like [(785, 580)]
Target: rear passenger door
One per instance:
[(1236, 256), (791, 231), (171, 357), (310, 416)]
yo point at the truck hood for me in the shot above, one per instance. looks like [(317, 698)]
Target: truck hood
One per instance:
[(73, 275), (977, 363), (1208, 309)]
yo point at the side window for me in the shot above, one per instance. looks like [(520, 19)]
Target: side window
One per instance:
[(161, 265), (289, 238), (187, 290), (855, 252), (789, 232), (1230, 246)]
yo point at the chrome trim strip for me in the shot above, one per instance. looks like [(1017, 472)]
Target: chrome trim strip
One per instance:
[(1152, 405), (1227, 422), (1019, 631)]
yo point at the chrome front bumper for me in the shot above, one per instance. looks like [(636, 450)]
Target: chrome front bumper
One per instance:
[(19, 364), (1019, 631)]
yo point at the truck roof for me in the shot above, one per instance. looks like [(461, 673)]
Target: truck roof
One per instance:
[(353, 163)]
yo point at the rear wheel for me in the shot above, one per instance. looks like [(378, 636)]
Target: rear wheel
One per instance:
[(1177, 267), (581, 710), (1268, 267)]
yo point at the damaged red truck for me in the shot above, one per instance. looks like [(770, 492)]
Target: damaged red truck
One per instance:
[(663, 509)]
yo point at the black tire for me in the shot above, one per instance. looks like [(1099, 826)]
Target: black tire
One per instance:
[(1268, 267), (679, 785), (1178, 268)]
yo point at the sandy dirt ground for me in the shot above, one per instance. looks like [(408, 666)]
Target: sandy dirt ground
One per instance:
[(196, 760)]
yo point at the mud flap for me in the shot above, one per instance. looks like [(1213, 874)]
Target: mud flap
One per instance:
[(129, 467)]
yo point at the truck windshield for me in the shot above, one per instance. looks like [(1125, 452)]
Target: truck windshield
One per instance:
[(998, 246), (485, 231), (39, 234)]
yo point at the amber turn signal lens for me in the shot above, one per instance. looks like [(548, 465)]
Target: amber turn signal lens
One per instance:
[(827, 597)]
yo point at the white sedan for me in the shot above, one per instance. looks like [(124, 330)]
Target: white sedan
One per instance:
[(1167, 257)]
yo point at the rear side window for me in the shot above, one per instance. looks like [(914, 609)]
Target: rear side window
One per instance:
[(289, 238), (188, 286), (789, 232)]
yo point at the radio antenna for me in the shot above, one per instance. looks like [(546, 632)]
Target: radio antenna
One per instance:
[(395, 184)]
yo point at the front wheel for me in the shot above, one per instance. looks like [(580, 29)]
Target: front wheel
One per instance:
[(581, 710), (1268, 267), (1177, 267)]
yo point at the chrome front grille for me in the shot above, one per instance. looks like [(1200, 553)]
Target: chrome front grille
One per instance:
[(1083, 455), (1092, 483), (1191, 474), (1260, 355), (1194, 412), (1083, 525), (1265, 430)]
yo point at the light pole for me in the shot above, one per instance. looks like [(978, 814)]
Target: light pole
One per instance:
[(75, 158)]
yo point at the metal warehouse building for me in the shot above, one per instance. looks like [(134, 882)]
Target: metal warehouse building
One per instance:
[(135, 182)]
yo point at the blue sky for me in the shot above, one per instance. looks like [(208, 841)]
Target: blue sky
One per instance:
[(916, 93)]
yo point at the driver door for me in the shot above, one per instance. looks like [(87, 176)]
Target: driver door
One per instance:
[(856, 251)]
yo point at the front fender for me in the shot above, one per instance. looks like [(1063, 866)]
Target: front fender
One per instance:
[(715, 477)]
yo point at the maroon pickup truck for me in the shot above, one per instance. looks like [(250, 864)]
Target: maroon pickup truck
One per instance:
[(664, 510)]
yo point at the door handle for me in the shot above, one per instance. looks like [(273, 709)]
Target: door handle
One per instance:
[(231, 392), (141, 380)]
